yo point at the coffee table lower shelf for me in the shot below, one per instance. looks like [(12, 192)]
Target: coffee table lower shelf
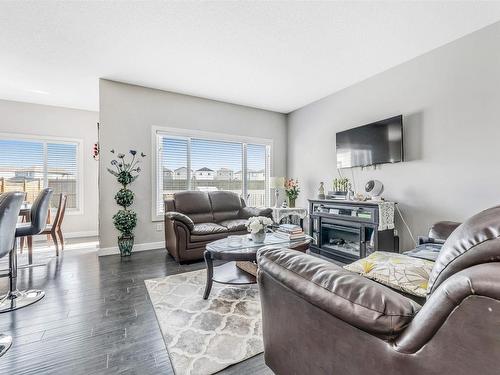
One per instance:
[(227, 273)]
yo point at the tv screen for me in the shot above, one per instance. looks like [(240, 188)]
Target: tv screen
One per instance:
[(376, 143)]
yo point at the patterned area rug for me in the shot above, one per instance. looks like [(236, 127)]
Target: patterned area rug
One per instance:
[(206, 336)]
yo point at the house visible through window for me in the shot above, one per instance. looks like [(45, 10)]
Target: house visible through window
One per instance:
[(195, 163), (30, 165)]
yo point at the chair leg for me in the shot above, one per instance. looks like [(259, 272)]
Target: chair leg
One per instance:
[(5, 343), (30, 249), (56, 243), (16, 299), (13, 270), (61, 238), (21, 244)]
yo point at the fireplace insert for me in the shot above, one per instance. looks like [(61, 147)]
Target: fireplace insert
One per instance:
[(341, 238)]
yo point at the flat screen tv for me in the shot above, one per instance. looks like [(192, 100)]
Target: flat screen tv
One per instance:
[(376, 143)]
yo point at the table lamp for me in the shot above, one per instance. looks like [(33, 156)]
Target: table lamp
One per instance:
[(277, 183)]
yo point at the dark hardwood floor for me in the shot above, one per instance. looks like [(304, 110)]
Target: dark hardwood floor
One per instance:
[(96, 318)]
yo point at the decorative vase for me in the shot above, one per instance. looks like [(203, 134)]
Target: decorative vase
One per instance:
[(321, 191), (259, 237), (291, 202), (125, 244)]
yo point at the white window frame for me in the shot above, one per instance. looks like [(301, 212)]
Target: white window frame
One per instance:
[(180, 133), (52, 139)]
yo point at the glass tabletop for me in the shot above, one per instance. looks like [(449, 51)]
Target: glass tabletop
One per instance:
[(241, 242)]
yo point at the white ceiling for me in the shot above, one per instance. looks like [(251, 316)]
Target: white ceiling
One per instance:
[(272, 55)]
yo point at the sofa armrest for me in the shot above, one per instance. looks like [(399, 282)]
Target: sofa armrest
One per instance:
[(173, 215), (349, 297), (481, 280), (442, 229), (248, 212), (424, 239)]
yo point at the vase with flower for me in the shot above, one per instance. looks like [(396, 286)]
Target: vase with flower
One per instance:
[(292, 191), (257, 226)]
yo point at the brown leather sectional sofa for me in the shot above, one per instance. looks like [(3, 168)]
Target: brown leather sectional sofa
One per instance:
[(195, 218), (321, 319)]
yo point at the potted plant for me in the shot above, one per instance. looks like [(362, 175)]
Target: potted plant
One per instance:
[(341, 186), (292, 191), (257, 226), (126, 170)]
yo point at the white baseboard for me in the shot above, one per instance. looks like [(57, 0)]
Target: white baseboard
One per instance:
[(88, 233), (137, 247)]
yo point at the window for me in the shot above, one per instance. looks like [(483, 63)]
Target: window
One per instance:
[(30, 165), (210, 163), (257, 175)]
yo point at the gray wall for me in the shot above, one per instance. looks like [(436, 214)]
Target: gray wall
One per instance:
[(35, 119), (450, 99), (127, 114)]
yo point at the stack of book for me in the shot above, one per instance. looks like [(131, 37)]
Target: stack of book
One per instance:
[(290, 232)]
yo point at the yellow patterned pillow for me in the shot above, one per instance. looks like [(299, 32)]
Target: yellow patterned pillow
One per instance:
[(397, 271)]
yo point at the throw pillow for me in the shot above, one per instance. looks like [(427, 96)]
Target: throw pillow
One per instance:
[(398, 271)]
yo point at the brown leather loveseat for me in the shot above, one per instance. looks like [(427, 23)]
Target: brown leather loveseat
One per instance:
[(321, 319), (195, 218)]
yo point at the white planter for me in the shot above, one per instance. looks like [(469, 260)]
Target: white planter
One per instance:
[(259, 237)]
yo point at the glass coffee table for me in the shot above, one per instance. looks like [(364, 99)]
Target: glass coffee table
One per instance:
[(241, 248)]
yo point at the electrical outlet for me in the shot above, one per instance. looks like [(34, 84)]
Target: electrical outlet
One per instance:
[(159, 227)]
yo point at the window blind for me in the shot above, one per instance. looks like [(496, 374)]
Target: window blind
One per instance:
[(257, 175), (195, 163), (62, 172), (173, 168), (217, 165), (32, 165)]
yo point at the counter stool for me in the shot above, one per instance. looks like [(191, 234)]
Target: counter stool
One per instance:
[(10, 204), (16, 299)]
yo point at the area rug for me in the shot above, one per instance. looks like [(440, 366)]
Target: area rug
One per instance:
[(206, 336)]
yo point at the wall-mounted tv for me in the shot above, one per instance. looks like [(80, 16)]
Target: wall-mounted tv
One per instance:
[(376, 143)]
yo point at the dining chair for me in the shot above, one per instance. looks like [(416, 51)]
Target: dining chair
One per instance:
[(54, 229), (24, 229), (10, 204), (16, 299)]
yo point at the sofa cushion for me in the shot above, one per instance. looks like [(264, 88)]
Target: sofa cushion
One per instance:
[(197, 240), (226, 205), (208, 228), (195, 204), (234, 225), (398, 271)]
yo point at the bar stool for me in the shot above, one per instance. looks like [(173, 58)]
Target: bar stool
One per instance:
[(16, 299), (10, 204)]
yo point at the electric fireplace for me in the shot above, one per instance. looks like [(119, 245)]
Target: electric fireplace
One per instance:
[(347, 231)]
